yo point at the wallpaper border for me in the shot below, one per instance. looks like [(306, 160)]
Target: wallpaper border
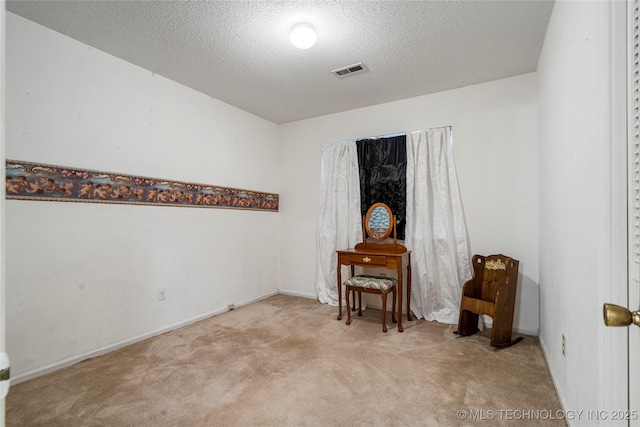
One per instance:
[(42, 182)]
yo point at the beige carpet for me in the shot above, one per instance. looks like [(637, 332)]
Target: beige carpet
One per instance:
[(287, 361)]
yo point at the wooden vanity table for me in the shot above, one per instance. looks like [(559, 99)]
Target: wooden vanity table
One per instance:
[(368, 254)]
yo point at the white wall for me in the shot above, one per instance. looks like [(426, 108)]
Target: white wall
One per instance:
[(494, 139), (84, 277), (580, 190)]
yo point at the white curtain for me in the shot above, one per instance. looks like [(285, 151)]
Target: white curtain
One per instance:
[(436, 231), (340, 223)]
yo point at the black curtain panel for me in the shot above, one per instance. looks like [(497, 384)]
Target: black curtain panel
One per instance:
[(383, 176)]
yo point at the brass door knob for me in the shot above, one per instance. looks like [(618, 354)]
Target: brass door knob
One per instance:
[(614, 315)]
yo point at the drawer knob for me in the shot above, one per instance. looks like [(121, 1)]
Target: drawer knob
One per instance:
[(366, 259)]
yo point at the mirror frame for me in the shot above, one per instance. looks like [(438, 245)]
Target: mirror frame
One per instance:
[(367, 218)]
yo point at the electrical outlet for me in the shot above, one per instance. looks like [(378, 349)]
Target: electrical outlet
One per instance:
[(162, 294), (564, 344)]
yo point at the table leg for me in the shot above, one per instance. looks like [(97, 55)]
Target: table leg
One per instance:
[(400, 329), (340, 292), (409, 290), (353, 294)]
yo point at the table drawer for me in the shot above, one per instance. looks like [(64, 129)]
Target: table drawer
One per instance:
[(365, 259)]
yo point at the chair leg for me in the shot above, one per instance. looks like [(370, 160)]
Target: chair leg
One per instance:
[(349, 311), (502, 330), (353, 294), (359, 303), (384, 311), (393, 309), (467, 323)]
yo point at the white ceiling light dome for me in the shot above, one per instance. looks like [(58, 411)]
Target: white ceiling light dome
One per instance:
[(303, 35)]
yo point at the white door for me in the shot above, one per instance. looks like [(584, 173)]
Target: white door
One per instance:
[(620, 388), (633, 173), (624, 345)]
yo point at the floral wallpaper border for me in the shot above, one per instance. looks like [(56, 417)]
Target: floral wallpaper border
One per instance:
[(35, 181)]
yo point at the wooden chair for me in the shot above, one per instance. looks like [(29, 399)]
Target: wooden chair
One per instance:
[(491, 291), (372, 285)]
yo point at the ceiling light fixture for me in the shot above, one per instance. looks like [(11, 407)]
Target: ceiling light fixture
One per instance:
[(303, 36)]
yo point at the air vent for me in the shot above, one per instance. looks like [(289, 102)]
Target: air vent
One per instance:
[(351, 69)]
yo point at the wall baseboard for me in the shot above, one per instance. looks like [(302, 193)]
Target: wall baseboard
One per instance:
[(255, 299), (115, 346), (297, 294), (559, 392)]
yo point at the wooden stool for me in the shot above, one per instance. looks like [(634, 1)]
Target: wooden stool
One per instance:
[(372, 285)]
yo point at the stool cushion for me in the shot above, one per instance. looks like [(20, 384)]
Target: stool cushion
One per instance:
[(372, 282)]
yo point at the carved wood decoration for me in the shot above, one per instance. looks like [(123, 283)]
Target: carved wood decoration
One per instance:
[(34, 181)]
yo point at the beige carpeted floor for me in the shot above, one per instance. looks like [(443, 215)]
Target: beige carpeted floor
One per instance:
[(287, 361)]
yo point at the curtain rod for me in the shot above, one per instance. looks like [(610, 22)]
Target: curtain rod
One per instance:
[(390, 135), (368, 137)]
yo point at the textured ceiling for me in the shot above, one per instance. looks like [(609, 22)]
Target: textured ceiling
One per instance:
[(239, 51)]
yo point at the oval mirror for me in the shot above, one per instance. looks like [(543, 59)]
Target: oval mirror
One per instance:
[(378, 221)]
